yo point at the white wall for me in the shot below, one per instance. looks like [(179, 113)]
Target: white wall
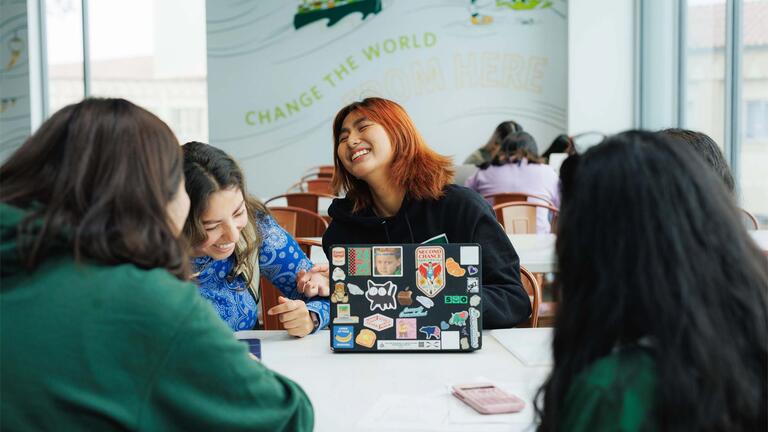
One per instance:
[(600, 66)]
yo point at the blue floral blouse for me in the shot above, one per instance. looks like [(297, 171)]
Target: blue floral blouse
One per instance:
[(280, 258)]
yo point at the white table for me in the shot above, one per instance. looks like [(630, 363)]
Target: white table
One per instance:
[(536, 251), (344, 388), (761, 238)]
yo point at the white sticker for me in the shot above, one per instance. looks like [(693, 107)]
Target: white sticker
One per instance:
[(338, 256), (338, 274), (425, 301), (378, 322), (474, 328), (381, 296), (470, 255), (473, 301), (449, 340), (473, 285), (408, 345), (354, 289)]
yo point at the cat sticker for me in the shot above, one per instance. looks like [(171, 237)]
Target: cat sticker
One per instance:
[(381, 296)]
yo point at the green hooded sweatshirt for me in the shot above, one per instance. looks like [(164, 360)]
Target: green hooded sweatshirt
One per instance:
[(93, 347)]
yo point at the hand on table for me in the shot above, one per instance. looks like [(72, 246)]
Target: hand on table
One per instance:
[(294, 316)]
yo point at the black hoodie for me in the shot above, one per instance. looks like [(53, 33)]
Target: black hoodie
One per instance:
[(464, 217)]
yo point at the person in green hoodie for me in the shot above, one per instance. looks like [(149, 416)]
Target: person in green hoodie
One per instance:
[(101, 329), (663, 324)]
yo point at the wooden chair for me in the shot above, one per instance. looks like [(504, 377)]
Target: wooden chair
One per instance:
[(299, 222), (306, 200), (270, 293), (520, 217), (534, 293), (320, 171), (749, 220), (317, 185), (505, 197)]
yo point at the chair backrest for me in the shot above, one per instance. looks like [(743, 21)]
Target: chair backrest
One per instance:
[(533, 289), (319, 185), (306, 200), (505, 197), (270, 293), (520, 217), (749, 220), (322, 171), (299, 222)]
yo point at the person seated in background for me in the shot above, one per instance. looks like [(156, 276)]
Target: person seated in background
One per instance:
[(517, 167), (398, 190), (234, 239), (705, 147), (561, 144), (101, 329), (663, 323), (487, 152)]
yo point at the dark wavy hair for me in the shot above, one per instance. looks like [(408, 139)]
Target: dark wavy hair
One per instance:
[(707, 148), (208, 169), (561, 144), (502, 130), (514, 148), (99, 176), (650, 246)]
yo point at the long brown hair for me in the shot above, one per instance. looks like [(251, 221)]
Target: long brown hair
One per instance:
[(98, 175), (416, 168), (208, 169)]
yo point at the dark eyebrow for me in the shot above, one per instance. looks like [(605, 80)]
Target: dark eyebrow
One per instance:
[(209, 222), (356, 122)]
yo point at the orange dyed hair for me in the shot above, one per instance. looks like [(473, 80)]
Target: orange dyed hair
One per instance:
[(418, 169)]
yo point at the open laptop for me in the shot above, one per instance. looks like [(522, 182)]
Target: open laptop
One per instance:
[(408, 297)]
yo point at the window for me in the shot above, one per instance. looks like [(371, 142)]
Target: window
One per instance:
[(756, 127), (704, 68), (753, 157), (151, 52)]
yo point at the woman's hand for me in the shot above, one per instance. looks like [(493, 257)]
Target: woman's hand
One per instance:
[(294, 316), (315, 282)]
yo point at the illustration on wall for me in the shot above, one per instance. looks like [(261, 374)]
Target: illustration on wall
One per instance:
[(334, 10)]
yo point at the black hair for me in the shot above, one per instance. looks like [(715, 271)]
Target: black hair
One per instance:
[(650, 246), (561, 144), (707, 148)]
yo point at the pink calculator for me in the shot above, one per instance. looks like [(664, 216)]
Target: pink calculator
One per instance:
[(486, 398)]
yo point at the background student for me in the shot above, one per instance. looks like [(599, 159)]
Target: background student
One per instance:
[(234, 239), (487, 152), (398, 191), (664, 316), (100, 328), (517, 167)]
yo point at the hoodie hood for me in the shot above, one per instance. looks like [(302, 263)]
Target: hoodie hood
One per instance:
[(341, 210), (11, 217)]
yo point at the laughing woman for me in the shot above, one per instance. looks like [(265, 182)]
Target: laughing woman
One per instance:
[(398, 190), (234, 240)]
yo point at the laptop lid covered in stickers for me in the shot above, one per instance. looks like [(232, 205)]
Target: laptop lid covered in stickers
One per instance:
[(407, 297)]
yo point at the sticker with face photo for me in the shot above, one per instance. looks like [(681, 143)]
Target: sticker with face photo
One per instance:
[(387, 261)]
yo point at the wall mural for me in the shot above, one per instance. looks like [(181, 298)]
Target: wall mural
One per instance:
[(278, 71)]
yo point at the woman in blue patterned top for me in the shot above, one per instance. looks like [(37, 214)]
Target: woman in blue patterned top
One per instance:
[(234, 240)]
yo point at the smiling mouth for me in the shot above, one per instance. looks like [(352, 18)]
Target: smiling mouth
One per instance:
[(224, 247), (359, 153)]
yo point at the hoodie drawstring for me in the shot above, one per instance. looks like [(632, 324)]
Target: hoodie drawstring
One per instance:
[(407, 223)]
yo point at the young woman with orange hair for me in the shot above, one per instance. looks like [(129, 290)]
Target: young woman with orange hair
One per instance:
[(398, 190)]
